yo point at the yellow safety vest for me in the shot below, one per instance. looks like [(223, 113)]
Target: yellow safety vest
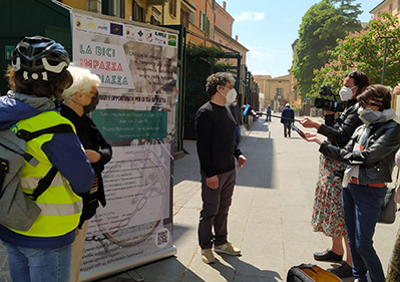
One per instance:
[(61, 207)]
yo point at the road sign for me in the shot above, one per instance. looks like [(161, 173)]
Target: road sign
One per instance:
[(8, 51)]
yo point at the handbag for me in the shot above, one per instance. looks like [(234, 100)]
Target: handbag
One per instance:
[(389, 206)]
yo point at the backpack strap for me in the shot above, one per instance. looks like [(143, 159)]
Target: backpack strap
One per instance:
[(26, 156), (45, 182), (3, 170), (27, 136), (61, 128)]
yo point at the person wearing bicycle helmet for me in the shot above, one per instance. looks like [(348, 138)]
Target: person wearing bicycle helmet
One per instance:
[(38, 75)]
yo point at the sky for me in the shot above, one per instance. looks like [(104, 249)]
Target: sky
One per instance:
[(269, 27)]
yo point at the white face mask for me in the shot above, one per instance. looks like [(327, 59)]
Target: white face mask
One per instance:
[(368, 116), (234, 104), (230, 96), (346, 93)]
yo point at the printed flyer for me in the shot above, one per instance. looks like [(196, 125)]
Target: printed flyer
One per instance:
[(137, 67)]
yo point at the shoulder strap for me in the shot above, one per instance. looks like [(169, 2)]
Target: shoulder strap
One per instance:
[(3, 170), (45, 182), (27, 136)]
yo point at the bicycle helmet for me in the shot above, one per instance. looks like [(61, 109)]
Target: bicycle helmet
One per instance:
[(36, 55)]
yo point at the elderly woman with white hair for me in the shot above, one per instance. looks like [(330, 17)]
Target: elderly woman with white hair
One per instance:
[(79, 100)]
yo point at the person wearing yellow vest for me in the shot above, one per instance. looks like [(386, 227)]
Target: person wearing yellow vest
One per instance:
[(38, 74)]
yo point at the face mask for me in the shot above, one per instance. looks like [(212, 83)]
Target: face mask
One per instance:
[(230, 96), (368, 116), (346, 93), (92, 106), (234, 104)]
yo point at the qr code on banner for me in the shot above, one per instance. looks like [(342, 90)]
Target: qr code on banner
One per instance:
[(162, 238)]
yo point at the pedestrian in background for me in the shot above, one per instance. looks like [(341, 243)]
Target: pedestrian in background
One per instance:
[(370, 156), (38, 75), (80, 100), (269, 112), (216, 148), (237, 114), (287, 118), (327, 214)]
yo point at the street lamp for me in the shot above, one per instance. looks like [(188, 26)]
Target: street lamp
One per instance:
[(384, 57)]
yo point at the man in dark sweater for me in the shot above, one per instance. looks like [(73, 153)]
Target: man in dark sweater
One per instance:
[(216, 148)]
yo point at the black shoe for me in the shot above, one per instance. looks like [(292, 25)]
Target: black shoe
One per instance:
[(342, 271), (328, 255)]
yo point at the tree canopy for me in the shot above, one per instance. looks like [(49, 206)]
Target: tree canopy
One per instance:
[(364, 51), (321, 26)]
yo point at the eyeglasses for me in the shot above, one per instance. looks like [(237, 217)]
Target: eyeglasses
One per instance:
[(226, 87)]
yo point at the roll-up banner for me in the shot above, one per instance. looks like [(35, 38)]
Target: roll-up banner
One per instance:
[(137, 67)]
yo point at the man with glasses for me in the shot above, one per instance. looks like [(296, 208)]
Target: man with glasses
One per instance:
[(216, 148)]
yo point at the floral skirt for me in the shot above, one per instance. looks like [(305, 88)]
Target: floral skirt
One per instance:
[(393, 273), (327, 211)]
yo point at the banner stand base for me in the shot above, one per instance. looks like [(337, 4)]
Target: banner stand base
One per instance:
[(130, 279), (138, 261)]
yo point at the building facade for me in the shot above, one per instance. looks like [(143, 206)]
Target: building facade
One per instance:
[(145, 11), (391, 6), (223, 19), (223, 33), (295, 95), (201, 22), (277, 90)]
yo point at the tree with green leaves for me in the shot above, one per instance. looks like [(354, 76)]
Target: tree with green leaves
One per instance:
[(321, 26), (364, 51)]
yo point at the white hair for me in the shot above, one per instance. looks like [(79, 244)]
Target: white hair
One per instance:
[(84, 80)]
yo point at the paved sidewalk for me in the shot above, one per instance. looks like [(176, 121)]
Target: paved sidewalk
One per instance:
[(269, 218)]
